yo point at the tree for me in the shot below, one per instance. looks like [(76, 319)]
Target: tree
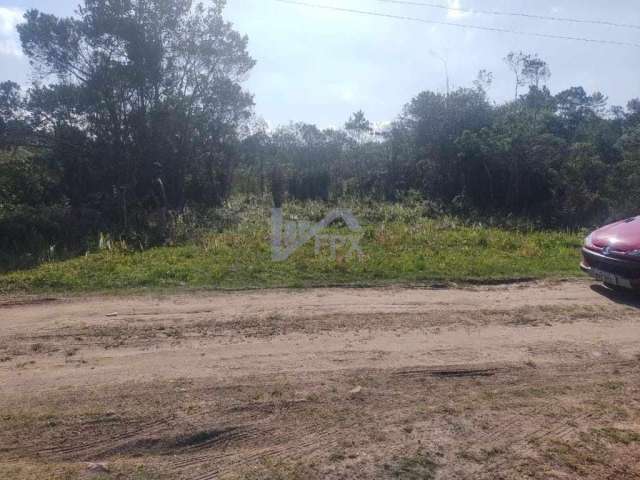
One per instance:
[(535, 70), (9, 100), (528, 69), (149, 91), (633, 107), (483, 81), (10, 122), (575, 103), (515, 62), (626, 178), (257, 154), (358, 127), (424, 141)]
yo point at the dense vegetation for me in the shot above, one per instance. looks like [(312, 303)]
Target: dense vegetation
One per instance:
[(401, 242), (561, 160), (136, 116), (138, 123)]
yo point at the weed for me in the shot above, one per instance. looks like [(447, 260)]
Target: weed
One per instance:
[(579, 457), (400, 245), (276, 470), (28, 471), (418, 467), (615, 435)]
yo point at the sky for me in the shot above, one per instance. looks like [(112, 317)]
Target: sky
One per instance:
[(319, 66)]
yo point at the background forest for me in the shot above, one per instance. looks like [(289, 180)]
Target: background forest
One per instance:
[(137, 121)]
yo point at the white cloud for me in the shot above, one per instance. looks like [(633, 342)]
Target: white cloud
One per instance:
[(9, 18), (455, 4)]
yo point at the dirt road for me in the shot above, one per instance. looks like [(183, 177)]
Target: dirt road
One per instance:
[(534, 380)]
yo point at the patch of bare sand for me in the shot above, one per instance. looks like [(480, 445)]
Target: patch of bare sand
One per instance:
[(535, 380)]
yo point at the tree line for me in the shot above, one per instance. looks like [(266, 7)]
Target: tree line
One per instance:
[(137, 112), (560, 160)]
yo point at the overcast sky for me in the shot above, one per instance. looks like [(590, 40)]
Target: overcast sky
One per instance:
[(319, 66)]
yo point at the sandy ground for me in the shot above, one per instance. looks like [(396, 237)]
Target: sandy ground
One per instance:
[(538, 380)]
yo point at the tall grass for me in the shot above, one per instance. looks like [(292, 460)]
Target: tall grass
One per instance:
[(409, 242)]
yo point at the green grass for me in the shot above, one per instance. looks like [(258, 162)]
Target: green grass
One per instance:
[(401, 244)]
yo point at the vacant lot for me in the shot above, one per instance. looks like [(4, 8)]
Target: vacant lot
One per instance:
[(399, 243), (538, 380)]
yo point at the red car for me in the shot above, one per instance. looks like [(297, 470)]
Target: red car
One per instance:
[(612, 254)]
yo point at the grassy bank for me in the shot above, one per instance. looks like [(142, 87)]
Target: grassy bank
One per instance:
[(400, 244)]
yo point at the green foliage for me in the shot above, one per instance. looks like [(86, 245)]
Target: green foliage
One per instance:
[(528, 69), (145, 104), (559, 160), (401, 243), (142, 125), (627, 174), (138, 117), (24, 179)]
